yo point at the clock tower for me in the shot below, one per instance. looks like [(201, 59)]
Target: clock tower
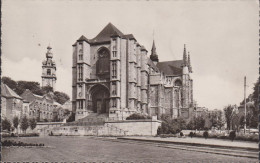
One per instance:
[(49, 70)]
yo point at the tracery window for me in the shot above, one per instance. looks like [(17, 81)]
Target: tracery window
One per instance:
[(80, 70), (113, 88), (103, 63)]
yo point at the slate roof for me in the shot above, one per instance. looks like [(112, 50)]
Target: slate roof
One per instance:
[(83, 38), (171, 67), (106, 33), (8, 92), (129, 36), (150, 62)]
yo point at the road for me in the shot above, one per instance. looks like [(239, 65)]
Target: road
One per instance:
[(89, 149)]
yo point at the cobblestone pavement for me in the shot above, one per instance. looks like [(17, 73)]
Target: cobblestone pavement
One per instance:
[(80, 149)]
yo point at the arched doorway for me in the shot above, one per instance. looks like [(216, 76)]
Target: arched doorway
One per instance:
[(100, 99)]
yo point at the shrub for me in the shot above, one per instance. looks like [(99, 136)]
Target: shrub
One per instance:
[(181, 134), (29, 135), (13, 143), (138, 116), (205, 134), (159, 130), (232, 135), (6, 125), (191, 134)]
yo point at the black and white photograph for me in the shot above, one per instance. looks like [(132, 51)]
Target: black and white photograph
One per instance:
[(130, 81)]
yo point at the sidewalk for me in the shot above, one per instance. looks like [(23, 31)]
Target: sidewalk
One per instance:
[(201, 142)]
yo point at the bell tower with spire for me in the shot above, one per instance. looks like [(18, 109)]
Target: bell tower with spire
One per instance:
[(49, 70), (154, 56)]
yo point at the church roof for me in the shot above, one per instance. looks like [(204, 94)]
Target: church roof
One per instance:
[(8, 92), (129, 36), (150, 62), (106, 33), (171, 67), (83, 38)]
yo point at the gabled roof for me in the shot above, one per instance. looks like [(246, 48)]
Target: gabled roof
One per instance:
[(171, 67), (83, 38), (8, 92), (106, 33)]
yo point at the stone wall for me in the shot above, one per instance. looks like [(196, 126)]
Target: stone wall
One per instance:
[(112, 128)]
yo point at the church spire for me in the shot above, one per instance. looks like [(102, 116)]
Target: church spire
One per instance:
[(189, 64), (185, 62), (154, 56)]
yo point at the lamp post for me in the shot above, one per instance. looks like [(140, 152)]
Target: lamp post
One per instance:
[(245, 103)]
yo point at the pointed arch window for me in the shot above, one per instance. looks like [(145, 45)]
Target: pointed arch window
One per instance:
[(103, 63), (178, 83)]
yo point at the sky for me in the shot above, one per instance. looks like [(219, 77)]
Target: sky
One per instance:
[(221, 36)]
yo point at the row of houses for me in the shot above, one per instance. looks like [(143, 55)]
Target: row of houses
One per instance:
[(42, 108)]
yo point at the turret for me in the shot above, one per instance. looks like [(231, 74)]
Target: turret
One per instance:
[(185, 69), (49, 53), (154, 56)]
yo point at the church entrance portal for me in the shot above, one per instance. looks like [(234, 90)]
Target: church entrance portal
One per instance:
[(100, 100)]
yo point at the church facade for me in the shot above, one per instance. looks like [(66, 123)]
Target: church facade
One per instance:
[(113, 75)]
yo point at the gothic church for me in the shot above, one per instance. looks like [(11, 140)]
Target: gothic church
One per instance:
[(113, 75)]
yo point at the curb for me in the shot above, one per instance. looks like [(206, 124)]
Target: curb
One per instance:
[(194, 144)]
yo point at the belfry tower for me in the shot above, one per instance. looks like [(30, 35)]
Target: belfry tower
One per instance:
[(49, 70)]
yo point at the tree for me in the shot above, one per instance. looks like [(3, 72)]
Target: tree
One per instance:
[(6, 125), (24, 124), (61, 97), (32, 123), (213, 119), (220, 121), (31, 85), (235, 122), (9, 82), (66, 112), (199, 123), (16, 122), (256, 93), (47, 89), (228, 111), (191, 125)]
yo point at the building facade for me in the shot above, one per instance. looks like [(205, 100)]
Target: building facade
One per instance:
[(112, 74), (11, 103), (49, 70), (40, 107)]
